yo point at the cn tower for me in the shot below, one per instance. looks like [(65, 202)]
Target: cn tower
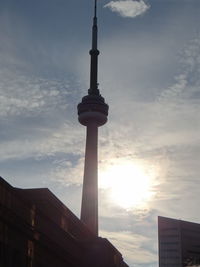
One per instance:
[(92, 113)]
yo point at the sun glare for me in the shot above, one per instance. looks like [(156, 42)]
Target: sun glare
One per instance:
[(130, 185)]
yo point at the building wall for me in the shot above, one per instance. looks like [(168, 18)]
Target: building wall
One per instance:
[(38, 230), (190, 233), (169, 243), (179, 243), (30, 238)]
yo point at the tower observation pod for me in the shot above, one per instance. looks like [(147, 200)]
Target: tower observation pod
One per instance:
[(92, 113)]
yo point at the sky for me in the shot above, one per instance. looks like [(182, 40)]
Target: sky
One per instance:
[(149, 74)]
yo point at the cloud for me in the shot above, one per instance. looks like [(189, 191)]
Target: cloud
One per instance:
[(153, 118), (128, 8), (20, 94), (133, 246)]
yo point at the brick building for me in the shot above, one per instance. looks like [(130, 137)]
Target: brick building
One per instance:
[(38, 230)]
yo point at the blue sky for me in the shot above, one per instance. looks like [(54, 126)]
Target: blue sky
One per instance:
[(149, 70)]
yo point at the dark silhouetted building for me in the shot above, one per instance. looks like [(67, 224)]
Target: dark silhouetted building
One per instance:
[(38, 230), (179, 243)]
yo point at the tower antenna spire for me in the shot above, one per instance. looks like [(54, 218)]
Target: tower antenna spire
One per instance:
[(94, 52), (95, 8)]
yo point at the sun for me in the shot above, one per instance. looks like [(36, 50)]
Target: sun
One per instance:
[(130, 184)]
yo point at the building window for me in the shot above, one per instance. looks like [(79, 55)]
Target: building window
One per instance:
[(169, 243), (32, 215), (169, 236), (64, 223), (117, 260), (169, 229), (30, 253)]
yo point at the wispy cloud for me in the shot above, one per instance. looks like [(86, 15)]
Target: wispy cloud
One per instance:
[(135, 245), (20, 94), (128, 8)]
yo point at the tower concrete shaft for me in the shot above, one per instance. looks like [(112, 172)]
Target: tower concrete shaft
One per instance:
[(89, 208), (92, 113)]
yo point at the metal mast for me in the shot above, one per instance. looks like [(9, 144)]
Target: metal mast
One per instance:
[(94, 52)]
